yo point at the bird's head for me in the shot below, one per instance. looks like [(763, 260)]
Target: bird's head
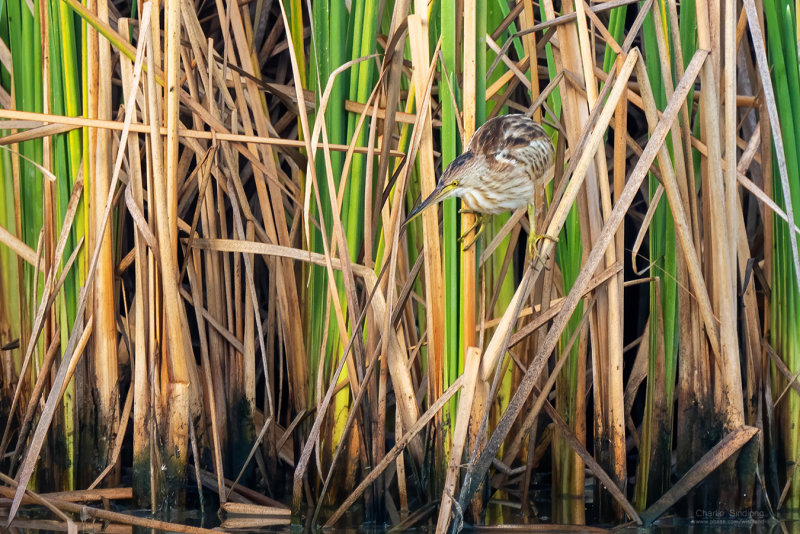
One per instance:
[(450, 184)]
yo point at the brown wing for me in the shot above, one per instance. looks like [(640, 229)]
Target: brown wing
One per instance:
[(512, 142)]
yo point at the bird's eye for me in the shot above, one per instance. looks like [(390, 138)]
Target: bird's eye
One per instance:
[(454, 183)]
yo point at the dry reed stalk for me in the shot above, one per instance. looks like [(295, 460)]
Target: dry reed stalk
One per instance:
[(469, 288), (104, 347), (141, 385), (721, 452), (18, 247), (116, 517), (210, 389), (117, 494), (173, 409), (724, 298), (729, 48), (620, 121), (434, 283), (607, 361), (460, 437), (57, 122), (469, 96)]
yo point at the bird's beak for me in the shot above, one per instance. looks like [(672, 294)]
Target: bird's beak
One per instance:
[(441, 192)]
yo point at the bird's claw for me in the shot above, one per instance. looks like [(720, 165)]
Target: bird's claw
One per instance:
[(478, 227), (534, 253), (471, 243)]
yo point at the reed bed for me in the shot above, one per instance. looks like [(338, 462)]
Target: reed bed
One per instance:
[(208, 296)]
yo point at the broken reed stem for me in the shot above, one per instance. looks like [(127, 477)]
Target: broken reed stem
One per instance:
[(723, 450)]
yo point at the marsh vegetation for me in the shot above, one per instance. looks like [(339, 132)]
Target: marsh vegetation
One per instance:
[(205, 280)]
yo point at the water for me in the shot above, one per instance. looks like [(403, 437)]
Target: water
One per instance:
[(744, 525), (704, 522)]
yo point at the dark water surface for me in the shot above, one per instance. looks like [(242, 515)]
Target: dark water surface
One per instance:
[(755, 522), (665, 526)]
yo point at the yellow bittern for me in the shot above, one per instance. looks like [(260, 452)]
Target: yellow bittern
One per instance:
[(506, 161)]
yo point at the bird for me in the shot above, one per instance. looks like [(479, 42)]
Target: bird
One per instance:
[(506, 161)]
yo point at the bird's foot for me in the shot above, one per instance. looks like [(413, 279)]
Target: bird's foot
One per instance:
[(534, 253), (478, 227)]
